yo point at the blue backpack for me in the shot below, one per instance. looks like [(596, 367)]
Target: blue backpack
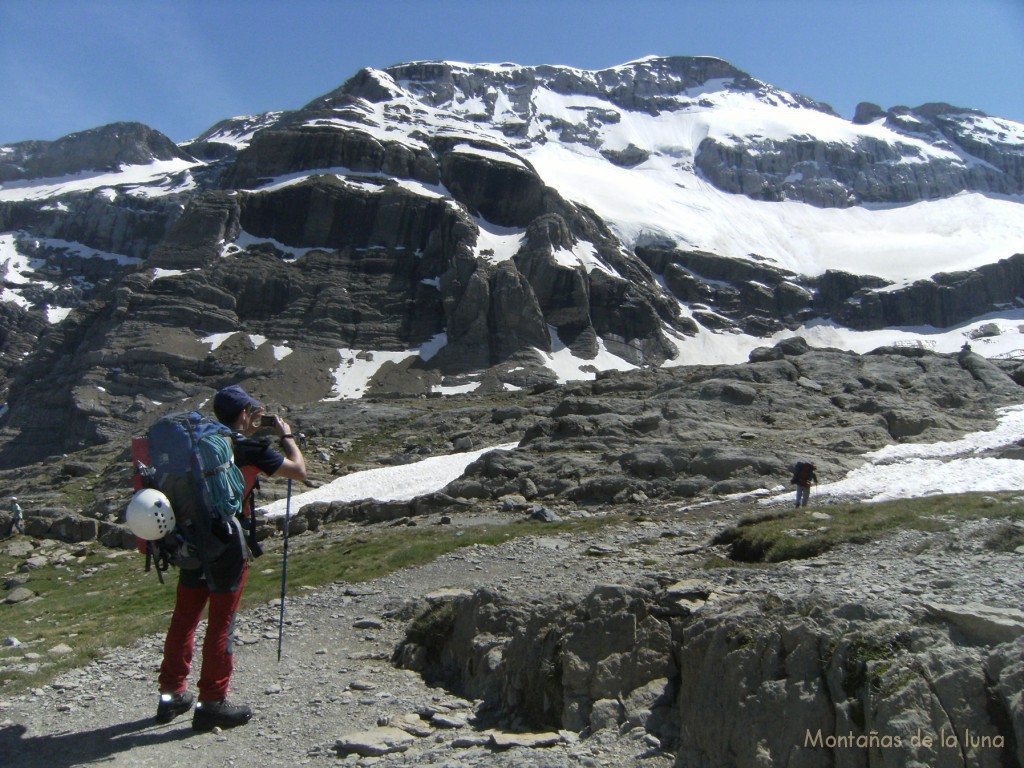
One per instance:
[(192, 444), (190, 459)]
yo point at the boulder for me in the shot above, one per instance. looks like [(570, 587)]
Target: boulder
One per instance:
[(74, 528), (19, 595), (728, 391), (501, 740), (982, 624)]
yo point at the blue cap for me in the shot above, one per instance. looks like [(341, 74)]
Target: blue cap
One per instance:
[(229, 402)]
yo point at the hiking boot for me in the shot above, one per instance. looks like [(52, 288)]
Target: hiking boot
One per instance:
[(173, 704), (219, 714)]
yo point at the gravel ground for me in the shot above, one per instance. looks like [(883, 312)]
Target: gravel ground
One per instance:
[(334, 678)]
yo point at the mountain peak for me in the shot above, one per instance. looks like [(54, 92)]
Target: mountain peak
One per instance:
[(104, 148), (499, 92)]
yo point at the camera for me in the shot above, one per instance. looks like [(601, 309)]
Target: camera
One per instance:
[(267, 420)]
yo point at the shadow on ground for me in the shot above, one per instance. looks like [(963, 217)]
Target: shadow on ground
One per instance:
[(74, 748)]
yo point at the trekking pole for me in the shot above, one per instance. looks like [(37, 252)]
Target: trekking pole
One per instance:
[(284, 569)]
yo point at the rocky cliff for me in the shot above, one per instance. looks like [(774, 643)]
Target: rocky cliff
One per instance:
[(718, 678), (427, 214)]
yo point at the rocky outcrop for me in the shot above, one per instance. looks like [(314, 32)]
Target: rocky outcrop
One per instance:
[(652, 85), (729, 293), (945, 300), (724, 681), (132, 229), (295, 148), (967, 130), (679, 433), (760, 299), (499, 187), (329, 213), (838, 174)]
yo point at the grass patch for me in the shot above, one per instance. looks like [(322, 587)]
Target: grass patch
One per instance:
[(796, 534), (104, 599), (91, 604), (1005, 538)]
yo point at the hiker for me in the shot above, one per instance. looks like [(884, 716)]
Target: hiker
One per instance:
[(227, 571), (803, 476), (18, 515)]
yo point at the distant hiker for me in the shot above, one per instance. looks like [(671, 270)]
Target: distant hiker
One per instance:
[(803, 476), (227, 571), (18, 515)]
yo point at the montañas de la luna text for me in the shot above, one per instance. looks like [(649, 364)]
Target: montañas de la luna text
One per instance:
[(876, 740)]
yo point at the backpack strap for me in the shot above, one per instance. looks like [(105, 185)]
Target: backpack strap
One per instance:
[(219, 468), (158, 558), (252, 484)]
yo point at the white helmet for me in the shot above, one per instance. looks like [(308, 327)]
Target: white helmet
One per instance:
[(149, 515)]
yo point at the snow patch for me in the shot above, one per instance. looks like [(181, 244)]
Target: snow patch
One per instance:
[(567, 367), (898, 242), (357, 367), (388, 483), (128, 177), (583, 254), (958, 466), (216, 339), (244, 241), (497, 244), (55, 314)]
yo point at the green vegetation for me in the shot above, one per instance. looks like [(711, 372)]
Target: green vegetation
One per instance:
[(866, 660), (102, 599), (871, 668), (1005, 538), (797, 534), (431, 629)]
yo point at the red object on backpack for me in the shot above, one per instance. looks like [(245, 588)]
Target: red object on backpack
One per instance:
[(251, 474), (806, 472)]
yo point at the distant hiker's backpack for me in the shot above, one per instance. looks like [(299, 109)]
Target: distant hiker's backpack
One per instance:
[(189, 458), (802, 473)]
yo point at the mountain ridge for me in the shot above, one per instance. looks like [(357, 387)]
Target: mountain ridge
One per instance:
[(490, 226)]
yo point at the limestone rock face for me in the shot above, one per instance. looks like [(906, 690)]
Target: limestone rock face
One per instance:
[(832, 174), (289, 150), (417, 213), (737, 681), (760, 299), (500, 188)]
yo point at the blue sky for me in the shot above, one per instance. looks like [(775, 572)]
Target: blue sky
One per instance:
[(181, 65)]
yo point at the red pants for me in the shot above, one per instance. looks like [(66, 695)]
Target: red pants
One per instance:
[(218, 661)]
